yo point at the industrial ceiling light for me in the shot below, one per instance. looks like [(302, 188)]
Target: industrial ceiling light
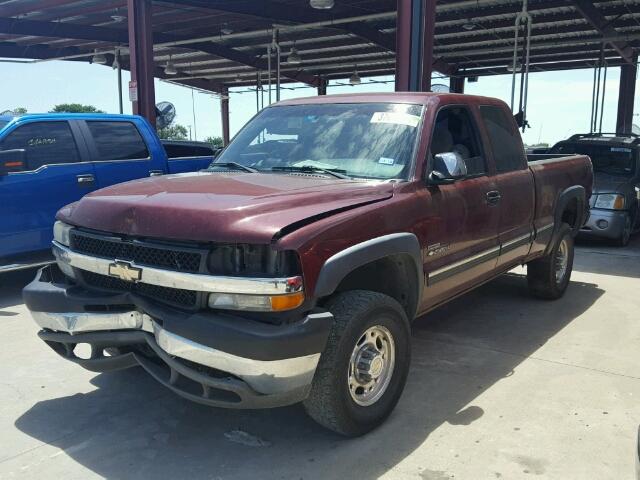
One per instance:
[(118, 17), (321, 4), (98, 58), (354, 79), (294, 57), (226, 29), (469, 25), (170, 68)]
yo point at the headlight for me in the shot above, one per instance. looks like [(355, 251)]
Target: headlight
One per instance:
[(610, 201), (256, 303), (61, 233), (241, 259)]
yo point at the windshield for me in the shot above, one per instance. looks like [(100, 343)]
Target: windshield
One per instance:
[(358, 140), (3, 123), (605, 158)]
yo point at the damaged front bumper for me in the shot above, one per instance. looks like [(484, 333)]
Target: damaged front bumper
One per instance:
[(211, 358)]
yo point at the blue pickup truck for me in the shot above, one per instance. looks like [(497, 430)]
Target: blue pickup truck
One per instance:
[(50, 160)]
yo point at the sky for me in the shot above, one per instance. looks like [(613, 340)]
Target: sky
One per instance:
[(559, 102)]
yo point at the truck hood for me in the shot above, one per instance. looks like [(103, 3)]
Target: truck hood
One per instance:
[(605, 183), (219, 207)]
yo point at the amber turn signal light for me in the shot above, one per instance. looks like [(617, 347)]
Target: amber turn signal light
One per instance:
[(287, 302)]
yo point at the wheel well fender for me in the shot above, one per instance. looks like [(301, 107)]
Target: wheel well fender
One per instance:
[(571, 208), (337, 267)]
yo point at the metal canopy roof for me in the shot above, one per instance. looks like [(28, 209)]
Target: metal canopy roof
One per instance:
[(223, 43)]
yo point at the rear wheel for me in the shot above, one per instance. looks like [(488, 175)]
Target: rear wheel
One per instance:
[(364, 366), (549, 276), (623, 239)]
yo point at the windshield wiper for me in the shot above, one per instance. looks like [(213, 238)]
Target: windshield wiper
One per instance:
[(334, 172), (235, 165)]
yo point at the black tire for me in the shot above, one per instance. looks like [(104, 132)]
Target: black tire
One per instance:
[(625, 236), (541, 273), (330, 402)]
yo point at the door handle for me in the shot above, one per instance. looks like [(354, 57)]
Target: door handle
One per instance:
[(86, 180), (155, 173), (493, 197)]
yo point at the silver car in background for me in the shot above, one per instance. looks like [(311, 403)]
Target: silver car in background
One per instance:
[(615, 203)]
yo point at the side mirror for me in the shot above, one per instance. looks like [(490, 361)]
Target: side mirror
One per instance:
[(12, 161), (447, 168)]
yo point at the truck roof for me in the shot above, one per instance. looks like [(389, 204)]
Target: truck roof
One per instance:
[(421, 98), (83, 116)]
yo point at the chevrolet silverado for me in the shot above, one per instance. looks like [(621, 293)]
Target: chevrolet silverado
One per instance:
[(292, 269)]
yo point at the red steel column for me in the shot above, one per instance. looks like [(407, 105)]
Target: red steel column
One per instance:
[(403, 45), (428, 34), (322, 85), (414, 44), (224, 110), (141, 59), (456, 84), (626, 96)]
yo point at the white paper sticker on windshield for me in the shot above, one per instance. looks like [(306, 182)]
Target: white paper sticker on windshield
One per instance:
[(386, 161), (397, 118)]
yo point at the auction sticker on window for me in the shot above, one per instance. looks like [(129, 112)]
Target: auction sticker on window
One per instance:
[(396, 118)]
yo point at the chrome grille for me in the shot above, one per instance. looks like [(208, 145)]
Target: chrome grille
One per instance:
[(152, 255), (172, 296)]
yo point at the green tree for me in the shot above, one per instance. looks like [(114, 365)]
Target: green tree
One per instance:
[(75, 108), (215, 141), (19, 110), (174, 132)]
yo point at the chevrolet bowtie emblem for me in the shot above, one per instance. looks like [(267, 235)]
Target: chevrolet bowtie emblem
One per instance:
[(125, 271)]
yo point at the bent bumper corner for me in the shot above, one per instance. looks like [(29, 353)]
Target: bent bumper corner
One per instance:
[(201, 372)]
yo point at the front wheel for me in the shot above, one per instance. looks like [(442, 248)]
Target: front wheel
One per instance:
[(364, 366), (549, 276)]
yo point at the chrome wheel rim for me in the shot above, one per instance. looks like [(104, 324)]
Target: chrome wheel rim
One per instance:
[(371, 365), (562, 260)]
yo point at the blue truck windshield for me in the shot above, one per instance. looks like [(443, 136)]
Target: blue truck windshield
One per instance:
[(358, 140)]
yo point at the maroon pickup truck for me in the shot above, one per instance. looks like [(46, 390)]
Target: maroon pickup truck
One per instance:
[(291, 270)]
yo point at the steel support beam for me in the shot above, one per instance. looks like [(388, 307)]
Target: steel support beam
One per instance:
[(113, 35), (141, 58), (591, 13), (277, 12), (626, 96), (224, 111), (414, 45), (456, 84)]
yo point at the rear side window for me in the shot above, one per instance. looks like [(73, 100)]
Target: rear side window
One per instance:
[(117, 141), (45, 143), (507, 148), (178, 151)]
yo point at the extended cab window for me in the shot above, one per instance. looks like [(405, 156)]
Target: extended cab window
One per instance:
[(176, 150), (44, 143), (454, 132), (117, 141), (508, 153), (365, 140)]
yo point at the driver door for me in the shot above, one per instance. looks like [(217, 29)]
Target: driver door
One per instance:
[(55, 175), (461, 221)]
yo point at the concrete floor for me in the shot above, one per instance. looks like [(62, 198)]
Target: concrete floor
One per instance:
[(502, 386)]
